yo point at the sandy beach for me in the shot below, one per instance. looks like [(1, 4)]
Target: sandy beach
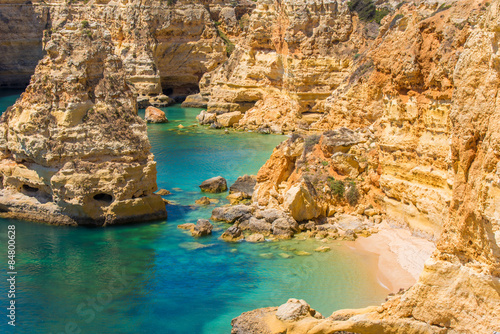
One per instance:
[(401, 255)]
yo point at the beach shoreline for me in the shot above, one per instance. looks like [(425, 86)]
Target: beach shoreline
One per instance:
[(401, 255)]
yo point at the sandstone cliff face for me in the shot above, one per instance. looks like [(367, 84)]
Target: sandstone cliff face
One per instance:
[(319, 175), (434, 113), (291, 57), (165, 47), (73, 150), (20, 42)]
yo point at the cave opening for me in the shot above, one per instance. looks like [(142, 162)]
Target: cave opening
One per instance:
[(29, 189), (178, 90), (103, 197)]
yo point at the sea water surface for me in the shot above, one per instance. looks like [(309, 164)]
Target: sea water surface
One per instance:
[(155, 278)]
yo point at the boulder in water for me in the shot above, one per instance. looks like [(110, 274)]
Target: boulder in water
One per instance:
[(216, 184)]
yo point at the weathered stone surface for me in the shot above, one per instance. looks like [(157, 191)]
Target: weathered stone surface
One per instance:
[(283, 72), (426, 92), (231, 214), (203, 201), (203, 227), (270, 215), (229, 119), (155, 115), (292, 310), (256, 237), (285, 228), (232, 234), (216, 184), (301, 205), (194, 101), (259, 225), (73, 149), (245, 185), (163, 192), (206, 118)]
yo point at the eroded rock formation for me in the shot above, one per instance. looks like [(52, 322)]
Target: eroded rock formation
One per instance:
[(73, 149), (436, 143)]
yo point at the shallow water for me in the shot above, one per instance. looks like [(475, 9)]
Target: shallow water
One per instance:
[(155, 278)]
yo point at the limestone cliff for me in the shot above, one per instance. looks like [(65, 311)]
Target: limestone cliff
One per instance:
[(73, 149), (292, 55), (165, 46), (20, 42), (428, 92)]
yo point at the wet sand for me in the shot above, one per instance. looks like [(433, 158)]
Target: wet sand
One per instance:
[(401, 255)]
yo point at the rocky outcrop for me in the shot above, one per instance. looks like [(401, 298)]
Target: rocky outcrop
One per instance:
[(242, 189), (291, 57), (216, 184), (165, 47), (195, 101), (73, 150), (429, 90), (202, 228), (155, 115), (321, 175), (21, 33)]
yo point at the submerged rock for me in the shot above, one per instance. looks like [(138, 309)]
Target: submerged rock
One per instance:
[(155, 115), (216, 184), (203, 201), (163, 192), (323, 249), (186, 226)]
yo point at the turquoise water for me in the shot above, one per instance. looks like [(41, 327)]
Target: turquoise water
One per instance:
[(155, 278)]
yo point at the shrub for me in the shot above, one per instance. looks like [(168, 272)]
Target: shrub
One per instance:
[(395, 20), (324, 163), (352, 194), (87, 33), (365, 8), (380, 14), (337, 186), (310, 142), (367, 11), (85, 24), (229, 45)]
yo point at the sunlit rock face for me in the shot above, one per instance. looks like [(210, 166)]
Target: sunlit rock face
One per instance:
[(73, 150), (290, 58), (428, 93)]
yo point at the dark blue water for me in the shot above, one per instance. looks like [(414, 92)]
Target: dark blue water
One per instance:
[(155, 278)]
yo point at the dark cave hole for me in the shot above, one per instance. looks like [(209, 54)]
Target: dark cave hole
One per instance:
[(29, 189), (103, 198)]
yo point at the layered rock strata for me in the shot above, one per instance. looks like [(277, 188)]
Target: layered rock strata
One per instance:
[(292, 55), (165, 47), (73, 149), (436, 143)]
